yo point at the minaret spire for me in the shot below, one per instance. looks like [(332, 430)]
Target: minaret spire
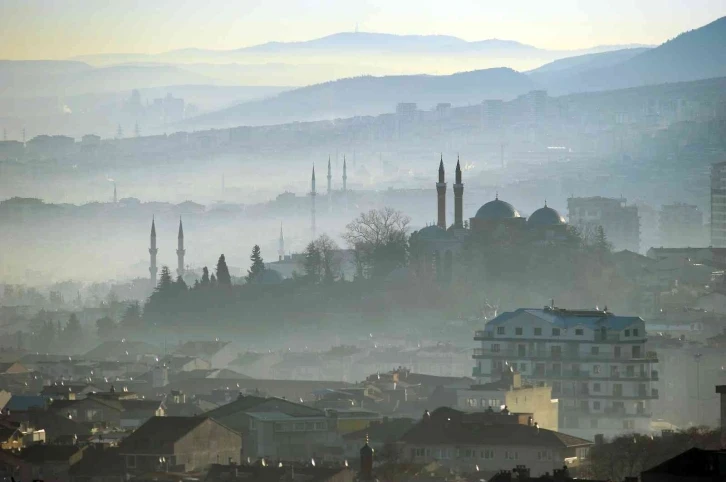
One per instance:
[(312, 201), (281, 245), (152, 253), (180, 250), (441, 196), (458, 198)]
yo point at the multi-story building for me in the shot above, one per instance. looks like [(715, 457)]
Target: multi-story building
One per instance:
[(718, 205), (681, 225), (620, 221), (594, 361)]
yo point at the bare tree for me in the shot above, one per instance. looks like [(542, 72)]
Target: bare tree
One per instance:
[(379, 238)]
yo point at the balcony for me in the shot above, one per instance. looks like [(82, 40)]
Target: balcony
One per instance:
[(483, 334), (650, 357)]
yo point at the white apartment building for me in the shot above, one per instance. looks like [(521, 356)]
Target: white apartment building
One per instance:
[(594, 361)]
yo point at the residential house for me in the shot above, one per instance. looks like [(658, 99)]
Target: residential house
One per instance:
[(123, 409), (12, 368), (277, 428), (218, 353), (49, 462), (461, 442), (376, 435), (68, 391), (99, 464), (517, 397), (180, 444)]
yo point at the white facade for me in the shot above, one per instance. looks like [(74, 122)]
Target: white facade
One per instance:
[(595, 362)]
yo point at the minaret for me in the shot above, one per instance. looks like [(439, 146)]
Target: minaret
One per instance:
[(281, 245), (441, 194), (152, 253), (115, 198), (180, 251), (345, 176), (458, 198), (330, 190), (312, 201)]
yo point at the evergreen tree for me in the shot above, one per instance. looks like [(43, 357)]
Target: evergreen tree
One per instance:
[(132, 316), (213, 281), (73, 327), (165, 281), (205, 276), (180, 285), (223, 277), (258, 265), (601, 241), (105, 327), (312, 263)]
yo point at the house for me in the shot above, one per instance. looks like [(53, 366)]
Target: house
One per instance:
[(121, 409), (12, 368), (180, 444), (123, 351), (99, 464), (182, 363), (511, 393), (462, 441), (277, 428), (218, 353), (49, 462), (376, 435), (55, 427), (63, 391), (23, 403), (694, 465)]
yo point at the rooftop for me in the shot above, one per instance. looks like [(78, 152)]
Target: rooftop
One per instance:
[(565, 318)]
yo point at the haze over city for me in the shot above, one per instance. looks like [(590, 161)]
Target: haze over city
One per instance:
[(357, 241)]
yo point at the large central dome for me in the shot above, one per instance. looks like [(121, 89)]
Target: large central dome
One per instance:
[(497, 209)]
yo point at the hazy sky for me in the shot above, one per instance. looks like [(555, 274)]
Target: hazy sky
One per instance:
[(54, 29)]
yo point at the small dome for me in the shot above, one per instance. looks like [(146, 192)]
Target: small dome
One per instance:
[(545, 216), (430, 233), (497, 209)]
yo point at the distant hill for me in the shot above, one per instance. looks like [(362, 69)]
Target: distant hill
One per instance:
[(370, 96), (697, 54), (49, 78)]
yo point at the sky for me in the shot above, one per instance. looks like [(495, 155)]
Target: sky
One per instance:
[(58, 29)]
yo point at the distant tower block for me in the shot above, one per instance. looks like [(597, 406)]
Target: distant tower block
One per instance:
[(312, 203), (330, 189), (281, 246), (441, 195), (458, 198), (152, 253), (180, 251)]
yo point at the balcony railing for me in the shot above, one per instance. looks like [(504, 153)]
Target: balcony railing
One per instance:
[(650, 357)]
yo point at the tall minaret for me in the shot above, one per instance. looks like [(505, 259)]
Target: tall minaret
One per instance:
[(330, 190), (152, 253), (441, 194), (458, 198), (180, 251), (115, 198), (345, 176), (312, 201), (281, 245)]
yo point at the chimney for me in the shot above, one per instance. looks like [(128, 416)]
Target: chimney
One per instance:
[(721, 390)]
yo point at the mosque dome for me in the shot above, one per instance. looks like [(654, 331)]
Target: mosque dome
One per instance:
[(432, 233), (545, 216), (497, 209)]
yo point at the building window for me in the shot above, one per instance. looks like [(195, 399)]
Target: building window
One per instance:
[(596, 369), (628, 424), (555, 332), (130, 461), (596, 387), (538, 332), (320, 425), (487, 454), (596, 405), (500, 330), (511, 455), (419, 452), (579, 331), (299, 426), (495, 347), (471, 402), (635, 332), (522, 367), (518, 331), (594, 350), (627, 332), (556, 387)]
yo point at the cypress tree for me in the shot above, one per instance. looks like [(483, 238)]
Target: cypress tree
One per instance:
[(223, 277), (258, 265)]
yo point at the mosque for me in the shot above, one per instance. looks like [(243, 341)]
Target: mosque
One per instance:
[(495, 221)]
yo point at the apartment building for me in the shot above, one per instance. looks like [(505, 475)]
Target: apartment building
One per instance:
[(620, 221), (718, 205), (594, 361)]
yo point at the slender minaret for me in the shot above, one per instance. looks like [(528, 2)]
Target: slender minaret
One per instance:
[(180, 251), (345, 176), (441, 194), (152, 253), (312, 202), (281, 245), (115, 197), (458, 198), (330, 189)]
